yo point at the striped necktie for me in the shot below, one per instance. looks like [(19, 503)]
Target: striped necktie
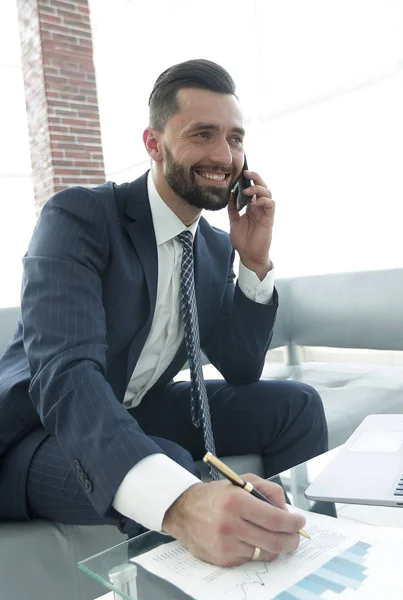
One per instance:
[(199, 405)]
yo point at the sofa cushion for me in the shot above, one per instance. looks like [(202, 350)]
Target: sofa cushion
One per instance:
[(349, 392), (8, 325), (38, 559)]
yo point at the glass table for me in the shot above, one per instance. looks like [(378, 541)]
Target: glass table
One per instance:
[(114, 569)]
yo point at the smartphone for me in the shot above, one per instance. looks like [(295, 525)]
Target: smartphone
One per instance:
[(243, 182)]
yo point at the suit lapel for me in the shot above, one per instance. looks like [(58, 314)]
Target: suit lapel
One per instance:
[(141, 231)]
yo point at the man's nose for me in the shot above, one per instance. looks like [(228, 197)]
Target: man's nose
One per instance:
[(221, 153)]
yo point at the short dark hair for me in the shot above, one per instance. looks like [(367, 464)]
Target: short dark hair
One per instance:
[(200, 73)]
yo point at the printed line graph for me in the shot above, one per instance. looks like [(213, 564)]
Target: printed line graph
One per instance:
[(331, 566), (253, 577), (353, 574)]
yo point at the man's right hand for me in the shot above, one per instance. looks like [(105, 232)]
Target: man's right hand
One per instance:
[(222, 524)]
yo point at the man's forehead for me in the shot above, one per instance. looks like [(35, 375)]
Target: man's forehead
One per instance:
[(203, 106)]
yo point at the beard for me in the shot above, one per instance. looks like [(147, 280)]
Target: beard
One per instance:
[(183, 183)]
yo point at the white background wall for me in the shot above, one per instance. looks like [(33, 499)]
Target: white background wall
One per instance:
[(321, 84)]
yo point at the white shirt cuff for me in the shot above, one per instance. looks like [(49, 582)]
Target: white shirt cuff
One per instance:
[(149, 489), (254, 289)]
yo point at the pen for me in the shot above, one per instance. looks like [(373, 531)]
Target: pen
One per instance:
[(237, 480)]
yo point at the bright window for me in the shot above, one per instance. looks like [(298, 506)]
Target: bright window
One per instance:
[(321, 84)]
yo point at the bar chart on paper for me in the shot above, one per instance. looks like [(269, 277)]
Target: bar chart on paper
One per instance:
[(341, 561), (350, 575)]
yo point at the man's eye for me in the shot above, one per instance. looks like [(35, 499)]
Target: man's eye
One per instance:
[(203, 134), (237, 140)]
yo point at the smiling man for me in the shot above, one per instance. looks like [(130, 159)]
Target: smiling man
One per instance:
[(190, 137), (93, 429)]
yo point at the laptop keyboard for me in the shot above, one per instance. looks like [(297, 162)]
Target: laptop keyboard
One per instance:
[(399, 488)]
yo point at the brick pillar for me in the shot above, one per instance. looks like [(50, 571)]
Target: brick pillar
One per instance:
[(61, 95)]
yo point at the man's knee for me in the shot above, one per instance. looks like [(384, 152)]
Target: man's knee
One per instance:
[(310, 405), (294, 392), (301, 403), (311, 396), (314, 402), (314, 416)]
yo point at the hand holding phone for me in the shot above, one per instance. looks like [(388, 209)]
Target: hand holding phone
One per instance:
[(243, 182)]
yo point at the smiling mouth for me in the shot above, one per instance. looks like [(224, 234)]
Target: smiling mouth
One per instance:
[(212, 176)]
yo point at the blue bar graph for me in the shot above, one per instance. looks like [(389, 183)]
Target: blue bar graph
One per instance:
[(316, 586), (324, 583), (356, 558), (342, 561), (342, 572), (351, 572), (360, 548)]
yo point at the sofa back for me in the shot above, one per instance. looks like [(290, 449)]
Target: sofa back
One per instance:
[(8, 325), (361, 309)]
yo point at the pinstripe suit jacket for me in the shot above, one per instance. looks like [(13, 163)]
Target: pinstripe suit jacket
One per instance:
[(88, 298)]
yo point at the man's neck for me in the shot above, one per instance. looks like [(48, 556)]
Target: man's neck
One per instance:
[(184, 211)]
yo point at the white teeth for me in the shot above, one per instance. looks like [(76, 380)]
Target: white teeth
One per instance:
[(216, 176)]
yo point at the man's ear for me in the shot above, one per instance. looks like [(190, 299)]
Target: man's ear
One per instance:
[(152, 144)]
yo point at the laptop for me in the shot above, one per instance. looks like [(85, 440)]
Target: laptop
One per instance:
[(368, 468)]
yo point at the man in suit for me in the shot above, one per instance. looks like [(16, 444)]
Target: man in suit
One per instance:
[(92, 427)]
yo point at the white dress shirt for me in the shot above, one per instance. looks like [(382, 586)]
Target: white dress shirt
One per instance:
[(156, 481)]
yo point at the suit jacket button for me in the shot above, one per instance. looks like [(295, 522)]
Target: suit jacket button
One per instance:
[(76, 464), (81, 477), (87, 485)]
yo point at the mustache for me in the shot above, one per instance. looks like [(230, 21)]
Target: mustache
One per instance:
[(215, 168)]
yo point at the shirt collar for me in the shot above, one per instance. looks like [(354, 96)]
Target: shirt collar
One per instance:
[(166, 224)]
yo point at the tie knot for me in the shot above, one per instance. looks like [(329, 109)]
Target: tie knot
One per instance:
[(186, 239)]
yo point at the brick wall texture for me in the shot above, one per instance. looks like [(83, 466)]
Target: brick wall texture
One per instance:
[(61, 95)]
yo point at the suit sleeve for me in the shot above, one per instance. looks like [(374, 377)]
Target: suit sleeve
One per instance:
[(65, 340), (241, 334)]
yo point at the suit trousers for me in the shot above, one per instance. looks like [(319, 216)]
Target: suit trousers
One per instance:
[(283, 421)]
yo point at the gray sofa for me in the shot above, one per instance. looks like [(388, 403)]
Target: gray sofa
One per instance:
[(38, 559), (361, 310), (347, 310)]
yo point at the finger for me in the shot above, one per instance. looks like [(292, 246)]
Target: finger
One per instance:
[(269, 541), (263, 202), (261, 206), (271, 517), (264, 556), (271, 490), (258, 190), (255, 178)]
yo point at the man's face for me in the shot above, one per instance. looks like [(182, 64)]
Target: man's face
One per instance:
[(203, 148)]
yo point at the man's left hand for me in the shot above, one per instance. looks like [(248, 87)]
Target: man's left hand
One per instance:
[(251, 233)]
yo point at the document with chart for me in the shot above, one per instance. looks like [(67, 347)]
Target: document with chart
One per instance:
[(342, 561)]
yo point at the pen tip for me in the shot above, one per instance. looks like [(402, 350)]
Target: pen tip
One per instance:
[(304, 534)]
